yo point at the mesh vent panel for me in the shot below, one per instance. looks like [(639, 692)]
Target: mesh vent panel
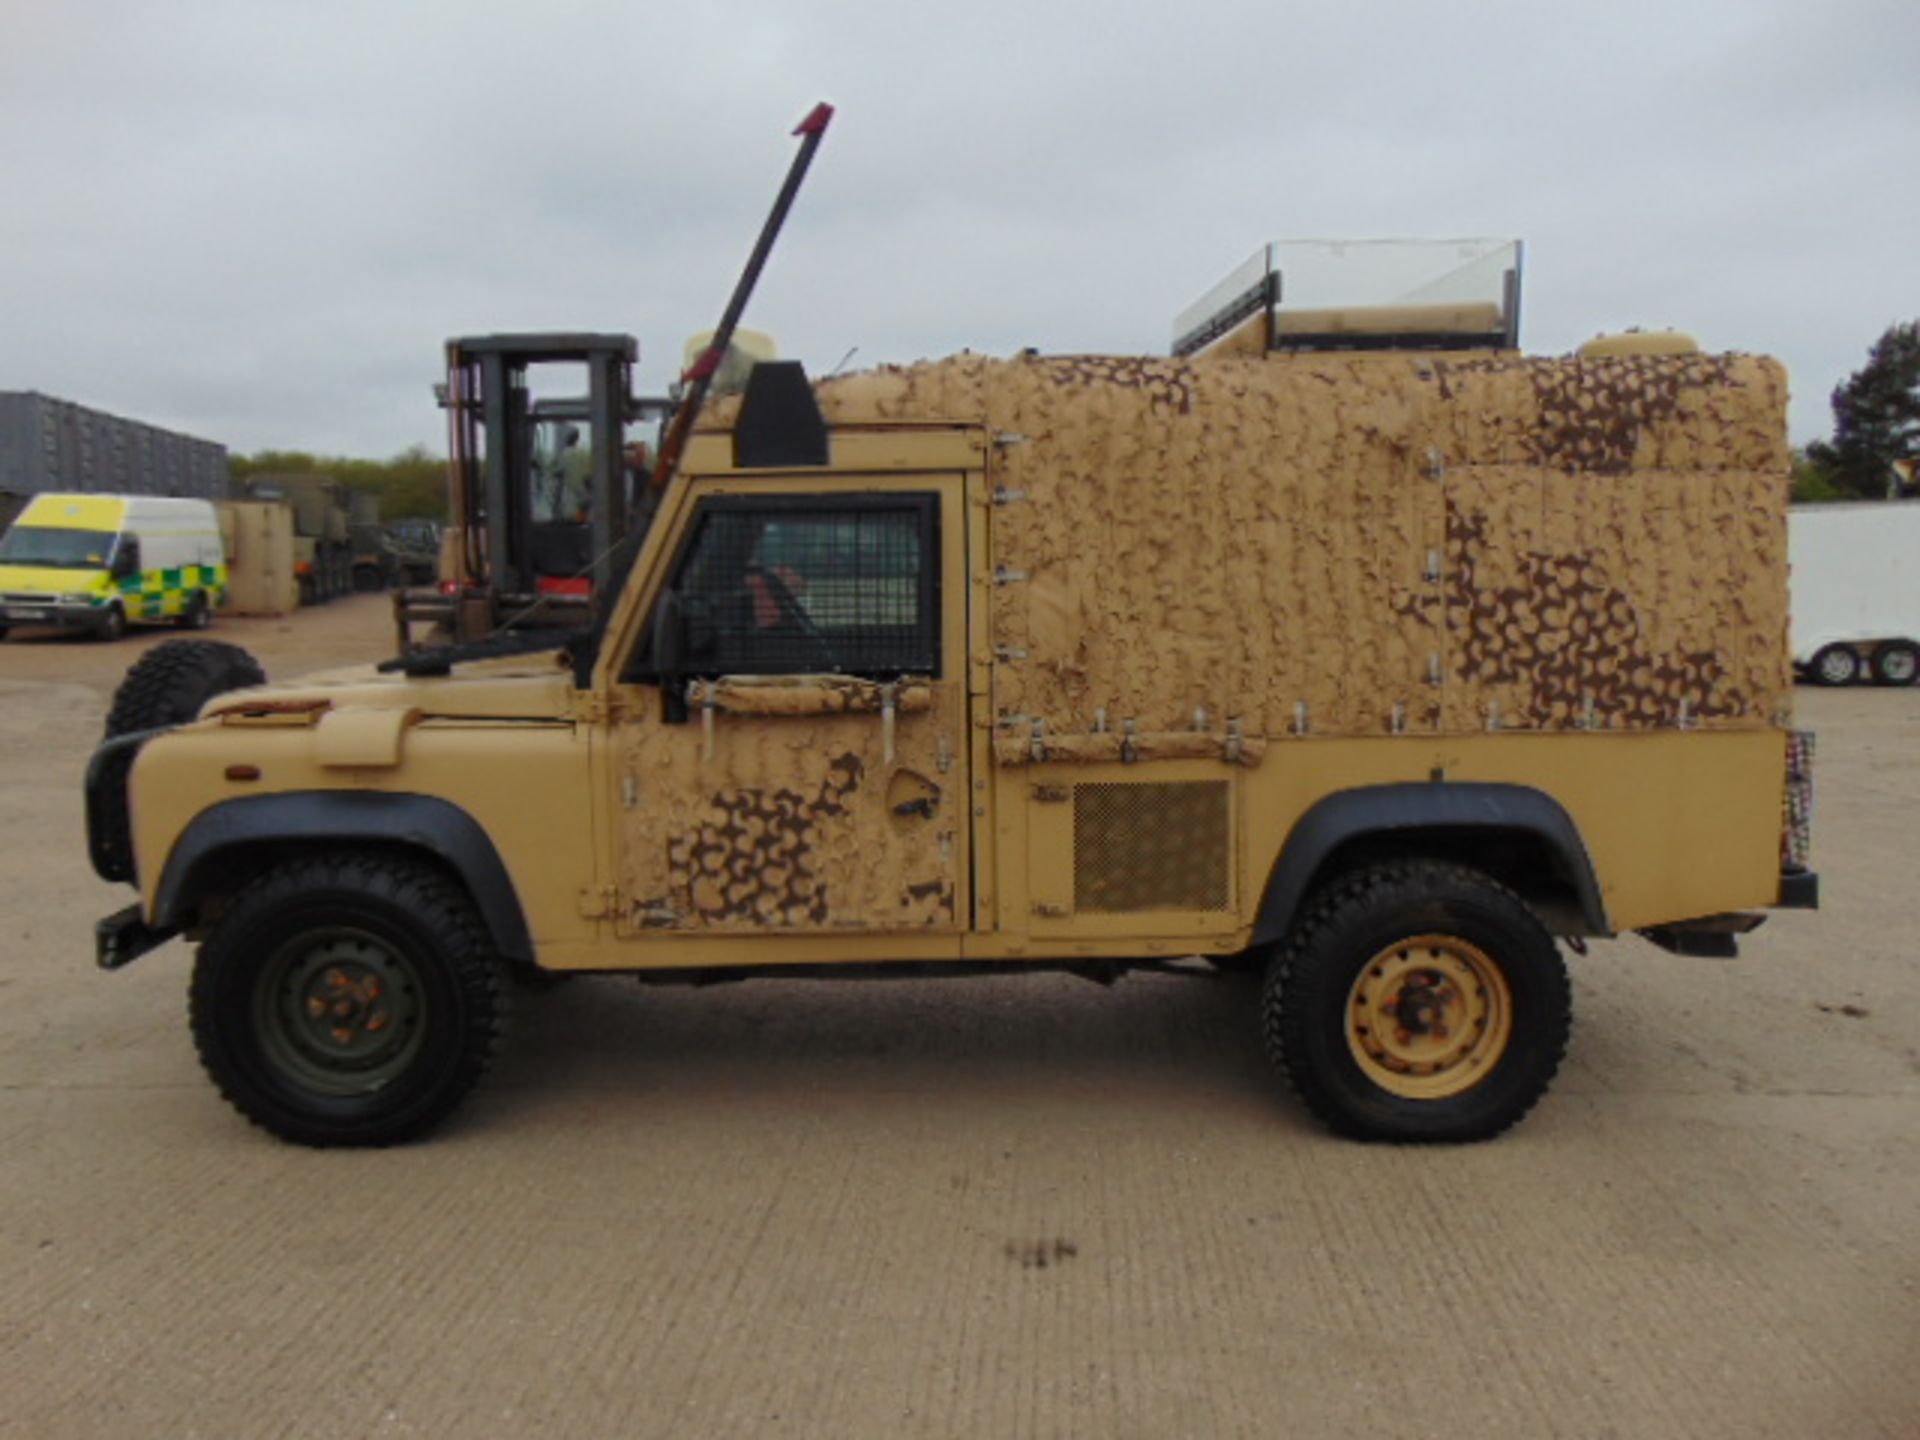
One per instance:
[(1150, 847)]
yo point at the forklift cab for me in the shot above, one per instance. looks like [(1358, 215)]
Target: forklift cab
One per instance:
[(541, 486)]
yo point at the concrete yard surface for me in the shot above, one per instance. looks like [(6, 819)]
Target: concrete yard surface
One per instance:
[(1001, 1207)]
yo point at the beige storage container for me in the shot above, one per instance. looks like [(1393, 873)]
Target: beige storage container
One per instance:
[(260, 570)]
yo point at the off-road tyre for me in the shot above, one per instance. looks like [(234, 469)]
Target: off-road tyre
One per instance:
[(1895, 663), (347, 1000), (169, 684), (1834, 665), (198, 614), (1369, 922), (115, 624)]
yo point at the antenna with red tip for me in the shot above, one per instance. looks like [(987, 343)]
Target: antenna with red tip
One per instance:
[(699, 375)]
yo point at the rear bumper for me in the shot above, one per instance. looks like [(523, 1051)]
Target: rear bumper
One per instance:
[(1799, 890), (1718, 936)]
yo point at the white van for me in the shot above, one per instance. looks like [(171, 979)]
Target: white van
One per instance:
[(100, 562), (1856, 591)]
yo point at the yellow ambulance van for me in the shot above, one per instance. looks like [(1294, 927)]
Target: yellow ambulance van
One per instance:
[(101, 562)]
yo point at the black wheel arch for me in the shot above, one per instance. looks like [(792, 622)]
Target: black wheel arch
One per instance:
[(229, 842), (1516, 834)]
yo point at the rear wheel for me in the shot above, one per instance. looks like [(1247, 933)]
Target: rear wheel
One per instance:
[(1896, 663), (198, 613), (1418, 1002), (345, 1000), (1835, 665)]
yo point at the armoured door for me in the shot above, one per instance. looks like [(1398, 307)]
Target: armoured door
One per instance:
[(796, 762)]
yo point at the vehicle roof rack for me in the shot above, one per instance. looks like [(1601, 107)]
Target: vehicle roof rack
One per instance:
[(1361, 295)]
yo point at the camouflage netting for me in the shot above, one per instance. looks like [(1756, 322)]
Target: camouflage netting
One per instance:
[(1364, 543)]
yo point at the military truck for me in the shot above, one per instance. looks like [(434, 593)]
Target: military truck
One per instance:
[(1353, 649), (323, 541), (415, 544), (376, 564)]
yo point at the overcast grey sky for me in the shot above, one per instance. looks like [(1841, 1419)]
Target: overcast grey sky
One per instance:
[(258, 220)]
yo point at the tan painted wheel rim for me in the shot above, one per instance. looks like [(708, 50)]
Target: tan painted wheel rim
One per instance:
[(1429, 1017)]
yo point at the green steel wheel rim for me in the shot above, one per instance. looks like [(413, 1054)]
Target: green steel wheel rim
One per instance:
[(340, 1012)]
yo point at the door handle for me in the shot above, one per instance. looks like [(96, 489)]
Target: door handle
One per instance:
[(923, 807)]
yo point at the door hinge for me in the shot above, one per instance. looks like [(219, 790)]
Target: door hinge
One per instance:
[(593, 708), (599, 901)]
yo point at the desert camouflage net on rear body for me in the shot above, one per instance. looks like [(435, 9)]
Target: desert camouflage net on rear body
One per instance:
[(1367, 544)]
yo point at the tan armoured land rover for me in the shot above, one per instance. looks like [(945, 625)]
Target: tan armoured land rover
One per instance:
[(1348, 645)]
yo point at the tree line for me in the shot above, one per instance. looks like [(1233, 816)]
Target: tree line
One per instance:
[(412, 485), (1875, 450)]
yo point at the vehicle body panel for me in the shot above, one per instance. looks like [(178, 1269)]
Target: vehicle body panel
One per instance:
[(1181, 603)]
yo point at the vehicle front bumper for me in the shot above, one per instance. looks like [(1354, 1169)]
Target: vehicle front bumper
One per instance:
[(124, 936), (45, 610)]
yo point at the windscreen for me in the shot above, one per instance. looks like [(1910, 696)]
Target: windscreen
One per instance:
[(56, 546)]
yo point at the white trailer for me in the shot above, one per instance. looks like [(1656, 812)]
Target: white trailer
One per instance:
[(1856, 591)]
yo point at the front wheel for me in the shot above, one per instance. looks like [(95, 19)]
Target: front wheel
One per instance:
[(1896, 663), (114, 625), (347, 1000), (1418, 1002)]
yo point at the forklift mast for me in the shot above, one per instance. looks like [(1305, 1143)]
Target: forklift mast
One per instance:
[(508, 543)]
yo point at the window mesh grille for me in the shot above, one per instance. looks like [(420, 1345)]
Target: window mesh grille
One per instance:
[(773, 590), (1163, 846)]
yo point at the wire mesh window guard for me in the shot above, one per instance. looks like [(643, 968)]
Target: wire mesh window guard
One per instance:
[(808, 585)]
